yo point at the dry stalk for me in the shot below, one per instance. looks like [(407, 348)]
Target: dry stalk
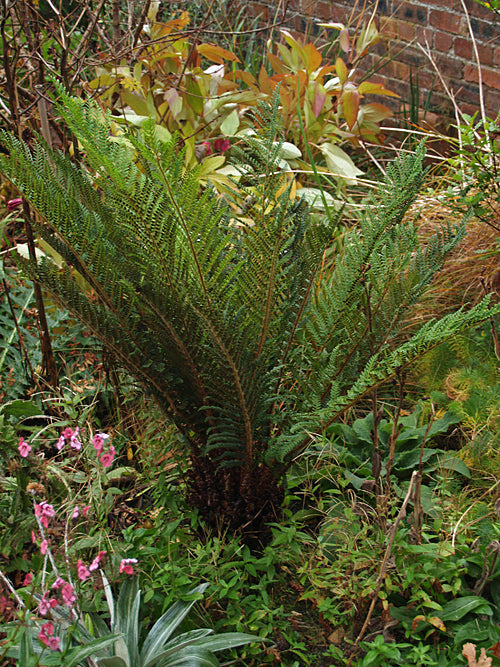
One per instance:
[(383, 565)]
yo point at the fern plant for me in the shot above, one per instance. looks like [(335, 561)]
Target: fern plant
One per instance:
[(249, 340)]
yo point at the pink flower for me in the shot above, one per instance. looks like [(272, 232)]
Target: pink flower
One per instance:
[(33, 536), (208, 148), (82, 570), (107, 458), (45, 605), (45, 512), (73, 441), (222, 145), (126, 565), (43, 547), (85, 510), (24, 448), (95, 563), (60, 443), (53, 643), (28, 579), (68, 595), (12, 204), (76, 513), (68, 433), (46, 636), (58, 583), (98, 441)]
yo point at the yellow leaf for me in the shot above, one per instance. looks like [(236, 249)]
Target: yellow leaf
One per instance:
[(437, 623), (342, 71), (350, 106)]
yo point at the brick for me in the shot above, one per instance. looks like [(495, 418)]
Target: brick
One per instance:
[(485, 29), (443, 41), (425, 34), (446, 21), (451, 68), (490, 77), (492, 103), (330, 12), (463, 48), (408, 11)]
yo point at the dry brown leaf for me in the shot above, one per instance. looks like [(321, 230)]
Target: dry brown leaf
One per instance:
[(469, 652), (495, 649)]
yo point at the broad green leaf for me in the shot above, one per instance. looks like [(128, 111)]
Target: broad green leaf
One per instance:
[(316, 199), (127, 618), (81, 653), (339, 163), (290, 151), (165, 626), (454, 610), (21, 408), (191, 657), (227, 640), (111, 662), (450, 462), (230, 125)]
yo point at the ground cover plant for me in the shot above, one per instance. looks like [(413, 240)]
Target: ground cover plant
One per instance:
[(253, 430)]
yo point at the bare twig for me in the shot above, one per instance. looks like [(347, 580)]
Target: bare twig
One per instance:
[(383, 565)]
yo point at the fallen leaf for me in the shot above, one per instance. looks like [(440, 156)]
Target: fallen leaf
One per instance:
[(469, 652), (495, 649)]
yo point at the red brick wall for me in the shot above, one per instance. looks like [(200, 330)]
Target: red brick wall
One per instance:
[(401, 25)]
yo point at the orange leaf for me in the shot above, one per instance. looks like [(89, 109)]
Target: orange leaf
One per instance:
[(265, 83), (417, 620), (246, 77), (216, 53), (312, 56), (350, 105), (278, 66)]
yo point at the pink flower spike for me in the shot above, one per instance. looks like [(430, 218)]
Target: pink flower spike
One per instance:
[(24, 448), (82, 570), (44, 606), (48, 628), (76, 513), (85, 510), (12, 204), (98, 441), (222, 145), (33, 536), (95, 563), (53, 643), (58, 583), (73, 441), (126, 565), (45, 512), (28, 579), (68, 433), (68, 595), (60, 443), (107, 458), (43, 547)]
